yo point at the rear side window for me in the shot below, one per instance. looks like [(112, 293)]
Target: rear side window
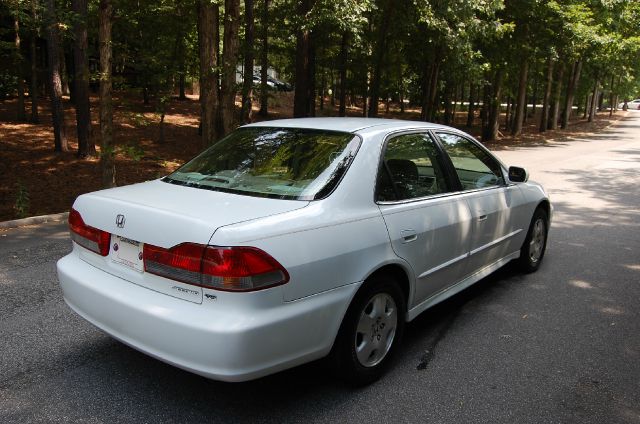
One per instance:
[(410, 169), (475, 167)]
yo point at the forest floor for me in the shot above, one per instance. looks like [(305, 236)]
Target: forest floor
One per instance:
[(37, 181)]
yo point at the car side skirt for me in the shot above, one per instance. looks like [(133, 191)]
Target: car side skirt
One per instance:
[(459, 286)]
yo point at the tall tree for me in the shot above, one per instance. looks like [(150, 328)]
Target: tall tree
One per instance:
[(86, 146), (492, 109), (247, 84), (229, 65), (208, 20), (53, 54), (33, 90), (521, 102), (302, 100), (571, 90), (379, 55), (19, 71), (555, 99), (107, 160), (264, 61), (344, 45), (544, 119)]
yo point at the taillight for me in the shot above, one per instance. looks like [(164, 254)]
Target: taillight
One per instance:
[(86, 236), (221, 268)]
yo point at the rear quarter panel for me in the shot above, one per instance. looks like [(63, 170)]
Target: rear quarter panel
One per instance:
[(333, 242)]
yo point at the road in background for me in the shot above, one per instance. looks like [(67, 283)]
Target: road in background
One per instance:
[(561, 345)]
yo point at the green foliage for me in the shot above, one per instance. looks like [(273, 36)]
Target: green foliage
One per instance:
[(21, 204), (468, 41), (132, 151)]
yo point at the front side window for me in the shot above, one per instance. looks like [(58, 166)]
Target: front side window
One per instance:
[(475, 167), (410, 169), (284, 163)]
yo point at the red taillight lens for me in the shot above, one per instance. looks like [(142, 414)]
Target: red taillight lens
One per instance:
[(241, 269), (222, 268), (86, 236), (182, 262)]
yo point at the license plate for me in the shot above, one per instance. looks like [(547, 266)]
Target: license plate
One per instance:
[(127, 252)]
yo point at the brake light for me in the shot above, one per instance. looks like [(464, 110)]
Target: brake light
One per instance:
[(86, 236), (221, 268)]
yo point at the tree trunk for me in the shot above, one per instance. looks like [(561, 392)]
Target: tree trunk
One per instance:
[(86, 147), (182, 95), (322, 84), (64, 70), (508, 115), (471, 107), (594, 100), (264, 87), (380, 49), (208, 19), (163, 111), (303, 89), (343, 73), (33, 91), (544, 119), (490, 132), (555, 101), (107, 164), (571, 89), (521, 102), (535, 98), (611, 96), (433, 91), (21, 115), (229, 64), (182, 83), (247, 85), (53, 52), (447, 103), (312, 76), (600, 99), (424, 96), (587, 107)]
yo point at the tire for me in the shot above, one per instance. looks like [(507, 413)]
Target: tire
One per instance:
[(370, 332), (534, 246)]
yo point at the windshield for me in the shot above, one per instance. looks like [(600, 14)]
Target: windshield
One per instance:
[(284, 163)]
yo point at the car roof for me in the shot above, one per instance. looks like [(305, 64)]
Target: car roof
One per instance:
[(352, 125)]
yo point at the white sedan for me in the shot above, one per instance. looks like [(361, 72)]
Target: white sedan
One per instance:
[(292, 240), (631, 105)]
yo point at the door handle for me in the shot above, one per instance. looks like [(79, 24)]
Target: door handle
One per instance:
[(408, 236), (482, 218)]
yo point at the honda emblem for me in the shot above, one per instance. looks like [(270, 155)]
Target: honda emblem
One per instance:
[(120, 221)]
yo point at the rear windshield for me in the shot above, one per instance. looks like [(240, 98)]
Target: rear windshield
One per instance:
[(284, 163)]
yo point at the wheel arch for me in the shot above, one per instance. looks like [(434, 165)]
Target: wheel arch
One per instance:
[(545, 205), (401, 275)]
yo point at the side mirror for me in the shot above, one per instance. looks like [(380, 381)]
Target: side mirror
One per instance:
[(518, 175)]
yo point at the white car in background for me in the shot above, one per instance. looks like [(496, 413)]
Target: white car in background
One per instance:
[(631, 105), (292, 240)]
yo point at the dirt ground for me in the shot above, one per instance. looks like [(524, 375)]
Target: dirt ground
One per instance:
[(37, 181)]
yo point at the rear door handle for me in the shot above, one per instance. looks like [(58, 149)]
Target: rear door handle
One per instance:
[(408, 236), (482, 217)]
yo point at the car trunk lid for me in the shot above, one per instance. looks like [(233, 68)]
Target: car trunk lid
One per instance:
[(164, 215)]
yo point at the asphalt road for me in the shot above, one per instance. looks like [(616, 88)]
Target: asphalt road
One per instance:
[(558, 346)]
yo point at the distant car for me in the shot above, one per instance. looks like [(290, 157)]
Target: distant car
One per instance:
[(631, 105), (272, 83), (291, 240)]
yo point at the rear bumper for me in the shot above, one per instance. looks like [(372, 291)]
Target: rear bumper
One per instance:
[(237, 337)]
